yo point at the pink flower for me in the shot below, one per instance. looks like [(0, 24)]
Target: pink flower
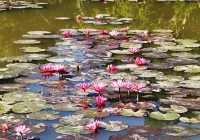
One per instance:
[(138, 87), (114, 33), (52, 68), (79, 18), (99, 87), (134, 50), (128, 85), (93, 126), (87, 32), (111, 68), (104, 32), (67, 34), (84, 86), (22, 130), (118, 84), (100, 101), (140, 61), (4, 127)]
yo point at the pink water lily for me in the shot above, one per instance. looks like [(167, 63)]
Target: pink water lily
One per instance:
[(99, 87), (84, 86), (140, 61), (100, 101), (112, 68), (4, 127), (128, 85), (79, 18), (104, 32), (93, 126), (52, 68), (118, 84), (134, 50), (138, 87), (114, 33), (22, 130), (67, 34)]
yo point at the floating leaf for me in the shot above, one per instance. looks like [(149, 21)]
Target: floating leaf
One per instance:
[(114, 125), (169, 116)]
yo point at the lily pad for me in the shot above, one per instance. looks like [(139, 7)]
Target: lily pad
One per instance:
[(28, 107), (65, 107), (27, 42), (169, 116), (43, 115), (192, 120), (32, 49), (130, 112), (4, 108), (188, 68), (114, 126)]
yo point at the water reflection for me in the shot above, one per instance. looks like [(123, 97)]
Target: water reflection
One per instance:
[(182, 17)]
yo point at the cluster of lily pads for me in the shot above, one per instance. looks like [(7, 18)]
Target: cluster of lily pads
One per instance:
[(96, 74), (103, 19), (10, 5)]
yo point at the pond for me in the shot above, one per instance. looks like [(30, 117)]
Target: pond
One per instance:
[(99, 70)]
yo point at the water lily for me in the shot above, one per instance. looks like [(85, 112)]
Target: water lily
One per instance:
[(104, 32), (112, 68), (114, 33), (134, 50), (118, 85), (22, 130), (52, 68), (128, 85), (79, 18), (67, 34), (99, 87), (100, 101), (138, 87), (140, 61), (87, 32), (145, 36), (93, 126), (84, 86), (4, 127)]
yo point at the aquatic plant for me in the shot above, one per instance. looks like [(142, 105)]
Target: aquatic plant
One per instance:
[(99, 87), (93, 126), (140, 61), (112, 68), (22, 131), (100, 101)]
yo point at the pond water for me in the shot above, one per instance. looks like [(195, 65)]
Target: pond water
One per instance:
[(166, 34)]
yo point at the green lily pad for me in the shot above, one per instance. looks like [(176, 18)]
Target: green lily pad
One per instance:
[(177, 48), (130, 45), (75, 120), (114, 126), (194, 78), (4, 108), (38, 32), (188, 68), (169, 116), (192, 120), (175, 130), (190, 84), (27, 42), (28, 107), (174, 108), (38, 128), (43, 115), (186, 55), (170, 78), (65, 107), (130, 112), (120, 52), (166, 84), (20, 96), (32, 49)]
